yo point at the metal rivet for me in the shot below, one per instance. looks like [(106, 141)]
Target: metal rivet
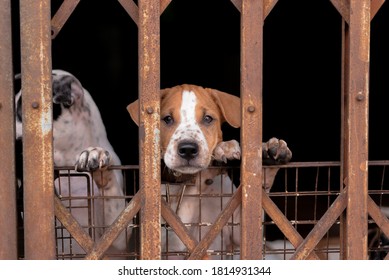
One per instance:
[(360, 96), (149, 110), (251, 109), (209, 182), (35, 105)]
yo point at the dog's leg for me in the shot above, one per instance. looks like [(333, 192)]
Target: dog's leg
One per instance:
[(97, 161)]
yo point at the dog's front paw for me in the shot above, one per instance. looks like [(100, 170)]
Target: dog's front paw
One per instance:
[(276, 151), (227, 150), (92, 159)]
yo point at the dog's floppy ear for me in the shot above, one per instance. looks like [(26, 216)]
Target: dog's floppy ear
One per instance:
[(133, 109), (229, 105)]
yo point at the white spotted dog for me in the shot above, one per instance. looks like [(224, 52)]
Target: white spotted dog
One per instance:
[(80, 140), (191, 138)]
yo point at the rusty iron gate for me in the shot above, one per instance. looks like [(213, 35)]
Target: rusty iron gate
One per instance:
[(349, 205)]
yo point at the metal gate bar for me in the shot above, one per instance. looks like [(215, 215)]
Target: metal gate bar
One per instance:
[(283, 223), (74, 228), (149, 133), (8, 221), (321, 228), (343, 8), (252, 21), (114, 230), (356, 97), (37, 129), (200, 250), (176, 224), (62, 15)]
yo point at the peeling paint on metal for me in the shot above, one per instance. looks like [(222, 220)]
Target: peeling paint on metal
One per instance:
[(365, 32), (156, 173), (363, 166), (46, 121)]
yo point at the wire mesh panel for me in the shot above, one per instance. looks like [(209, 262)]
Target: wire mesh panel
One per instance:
[(302, 191), (305, 192), (198, 202), (86, 204)]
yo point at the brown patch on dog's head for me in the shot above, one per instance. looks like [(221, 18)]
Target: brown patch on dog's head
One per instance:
[(228, 104)]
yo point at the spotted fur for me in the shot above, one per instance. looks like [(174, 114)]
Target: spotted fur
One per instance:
[(80, 140)]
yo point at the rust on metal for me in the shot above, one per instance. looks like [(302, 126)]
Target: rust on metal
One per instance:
[(36, 32), (343, 7), (164, 5), (133, 11), (116, 228), (268, 5), (322, 227), (8, 221), (176, 224), (131, 8), (283, 223), (343, 158), (149, 131), (71, 224), (62, 15), (37, 129), (252, 21), (74, 228), (375, 7), (201, 249), (356, 129)]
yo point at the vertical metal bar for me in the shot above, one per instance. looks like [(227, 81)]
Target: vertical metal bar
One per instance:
[(149, 137), (356, 126), (8, 221), (37, 129), (344, 133), (252, 18)]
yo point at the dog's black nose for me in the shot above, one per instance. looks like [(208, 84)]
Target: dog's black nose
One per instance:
[(188, 150)]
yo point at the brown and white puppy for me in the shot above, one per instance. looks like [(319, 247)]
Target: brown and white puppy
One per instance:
[(191, 138)]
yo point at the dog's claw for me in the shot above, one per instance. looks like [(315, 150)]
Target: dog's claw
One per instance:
[(92, 159), (276, 151)]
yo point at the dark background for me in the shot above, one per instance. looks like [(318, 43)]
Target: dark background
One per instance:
[(200, 44)]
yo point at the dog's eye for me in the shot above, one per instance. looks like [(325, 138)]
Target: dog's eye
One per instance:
[(168, 119), (207, 119)]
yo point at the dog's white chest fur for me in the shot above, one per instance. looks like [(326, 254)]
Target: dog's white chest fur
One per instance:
[(198, 206)]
